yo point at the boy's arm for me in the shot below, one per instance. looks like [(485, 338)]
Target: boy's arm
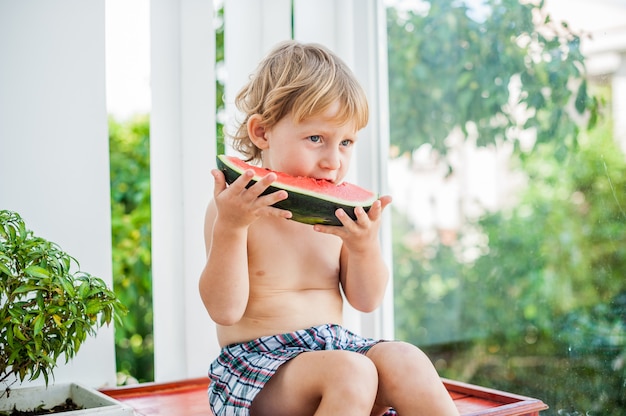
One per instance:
[(364, 277), (224, 281), (364, 274), (224, 284)]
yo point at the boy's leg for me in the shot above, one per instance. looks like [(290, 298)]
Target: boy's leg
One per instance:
[(409, 382), (330, 382)]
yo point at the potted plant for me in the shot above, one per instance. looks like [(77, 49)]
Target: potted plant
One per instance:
[(47, 310)]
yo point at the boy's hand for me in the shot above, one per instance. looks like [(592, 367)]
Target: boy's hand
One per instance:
[(360, 234), (240, 206)]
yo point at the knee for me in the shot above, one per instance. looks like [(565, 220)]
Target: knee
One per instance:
[(354, 377), (355, 366), (405, 357), (401, 365)]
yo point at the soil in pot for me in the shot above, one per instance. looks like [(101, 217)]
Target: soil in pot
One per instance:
[(68, 406)]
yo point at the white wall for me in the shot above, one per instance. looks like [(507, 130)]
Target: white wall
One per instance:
[(54, 167), (182, 152)]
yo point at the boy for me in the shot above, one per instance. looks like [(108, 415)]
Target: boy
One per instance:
[(273, 286)]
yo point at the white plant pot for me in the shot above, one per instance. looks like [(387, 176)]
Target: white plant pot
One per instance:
[(92, 401)]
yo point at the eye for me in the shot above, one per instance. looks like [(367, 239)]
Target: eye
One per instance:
[(315, 138), (347, 143)]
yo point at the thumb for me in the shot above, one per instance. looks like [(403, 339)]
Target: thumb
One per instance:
[(384, 201)]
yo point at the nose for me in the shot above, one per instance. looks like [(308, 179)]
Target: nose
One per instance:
[(331, 159)]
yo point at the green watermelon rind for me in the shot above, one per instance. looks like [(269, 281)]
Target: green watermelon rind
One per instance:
[(305, 206)]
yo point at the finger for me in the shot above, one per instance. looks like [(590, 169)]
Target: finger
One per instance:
[(329, 229), (337, 230), (373, 214), (360, 213), (377, 207), (344, 218), (270, 199), (274, 197), (242, 181), (261, 185), (281, 213), (385, 201), (219, 181)]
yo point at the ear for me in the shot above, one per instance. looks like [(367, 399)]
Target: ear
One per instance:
[(256, 131)]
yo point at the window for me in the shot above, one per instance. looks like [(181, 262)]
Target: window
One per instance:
[(509, 208)]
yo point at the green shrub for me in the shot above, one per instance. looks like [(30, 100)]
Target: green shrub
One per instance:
[(129, 144)]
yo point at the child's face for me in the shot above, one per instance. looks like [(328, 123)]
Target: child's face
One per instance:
[(317, 147)]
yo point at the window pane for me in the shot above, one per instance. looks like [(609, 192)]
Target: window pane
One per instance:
[(509, 214)]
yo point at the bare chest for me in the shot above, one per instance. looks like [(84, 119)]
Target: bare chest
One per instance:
[(288, 255)]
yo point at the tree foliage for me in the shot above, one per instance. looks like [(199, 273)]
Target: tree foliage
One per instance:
[(543, 311), (493, 73)]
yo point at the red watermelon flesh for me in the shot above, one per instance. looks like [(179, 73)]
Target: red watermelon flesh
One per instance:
[(310, 200)]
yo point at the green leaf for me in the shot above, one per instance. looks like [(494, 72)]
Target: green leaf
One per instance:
[(83, 290), (57, 320), (68, 287), (38, 324), (27, 288), (37, 271), (9, 335), (581, 98), (4, 266), (18, 333)]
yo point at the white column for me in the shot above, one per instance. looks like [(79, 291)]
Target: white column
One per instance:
[(251, 29), (182, 154), (370, 65), (54, 165)]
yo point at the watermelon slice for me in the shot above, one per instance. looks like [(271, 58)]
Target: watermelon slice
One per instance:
[(311, 201)]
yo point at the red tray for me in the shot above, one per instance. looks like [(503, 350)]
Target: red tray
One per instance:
[(189, 398)]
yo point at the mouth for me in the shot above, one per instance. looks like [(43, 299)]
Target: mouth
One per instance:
[(330, 181)]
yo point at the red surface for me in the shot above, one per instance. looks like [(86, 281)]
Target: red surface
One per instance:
[(189, 398), (472, 400), (184, 398)]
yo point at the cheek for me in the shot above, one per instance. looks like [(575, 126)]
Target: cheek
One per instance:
[(346, 156), (283, 161), (345, 162), (301, 164)]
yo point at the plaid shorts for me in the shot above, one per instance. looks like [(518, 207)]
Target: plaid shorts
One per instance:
[(241, 370)]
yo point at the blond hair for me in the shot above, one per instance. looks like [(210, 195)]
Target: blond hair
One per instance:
[(301, 79)]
